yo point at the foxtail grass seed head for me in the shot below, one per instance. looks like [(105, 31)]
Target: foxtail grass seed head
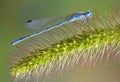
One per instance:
[(70, 45)]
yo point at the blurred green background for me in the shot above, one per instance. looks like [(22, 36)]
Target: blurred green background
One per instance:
[(14, 14)]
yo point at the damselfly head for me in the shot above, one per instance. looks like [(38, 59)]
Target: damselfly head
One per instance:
[(88, 14)]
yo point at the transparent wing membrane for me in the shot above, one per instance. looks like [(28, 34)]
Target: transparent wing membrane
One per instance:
[(46, 23)]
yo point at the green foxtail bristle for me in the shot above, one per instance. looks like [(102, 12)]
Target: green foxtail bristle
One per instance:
[(88, 43)]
